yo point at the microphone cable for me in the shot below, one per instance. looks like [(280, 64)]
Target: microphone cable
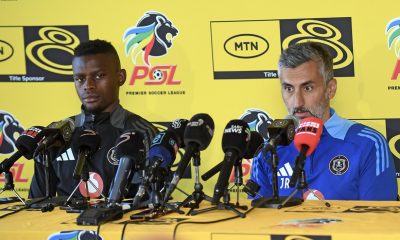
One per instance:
[(208, 222)]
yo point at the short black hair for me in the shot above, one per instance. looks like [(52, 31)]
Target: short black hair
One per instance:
[(95, 47)]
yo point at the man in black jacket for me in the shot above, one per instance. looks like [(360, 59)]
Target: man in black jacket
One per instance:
[(98, 76)]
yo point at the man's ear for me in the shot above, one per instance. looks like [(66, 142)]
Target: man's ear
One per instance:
[(121, 77), (332, 85)]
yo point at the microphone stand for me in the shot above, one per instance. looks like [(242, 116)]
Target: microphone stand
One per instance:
[(193, 200), (84, 178), (46, 164), (299, 173), (51, 201), (238, 183), (226, 205), (275, 201), (9, 185), (152, 178)]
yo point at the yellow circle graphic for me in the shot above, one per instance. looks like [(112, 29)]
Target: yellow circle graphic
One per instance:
[(392, 146), (327, 34), (52, 38)]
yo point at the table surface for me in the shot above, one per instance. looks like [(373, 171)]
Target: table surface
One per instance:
[(310, 220)]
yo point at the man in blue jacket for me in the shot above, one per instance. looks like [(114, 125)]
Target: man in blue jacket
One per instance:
[(351, 161)]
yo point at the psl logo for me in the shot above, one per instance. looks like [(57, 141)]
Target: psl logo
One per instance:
[(9, 127), (152, 36), (393, 35), (258, 120)]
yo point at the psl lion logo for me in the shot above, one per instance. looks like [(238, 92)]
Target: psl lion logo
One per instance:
[(9, 127), (152, 35), (258, 120), (393, 32)]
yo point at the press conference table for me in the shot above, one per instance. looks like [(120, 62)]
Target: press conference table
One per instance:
[(311, 220)]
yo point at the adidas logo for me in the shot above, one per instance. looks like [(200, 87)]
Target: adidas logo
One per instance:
[(285, 171), (66, 156)]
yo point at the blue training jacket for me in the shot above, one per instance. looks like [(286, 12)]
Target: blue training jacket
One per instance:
[(351, 162)]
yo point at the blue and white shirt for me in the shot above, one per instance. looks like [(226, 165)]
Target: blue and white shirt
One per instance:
[(351, 162)]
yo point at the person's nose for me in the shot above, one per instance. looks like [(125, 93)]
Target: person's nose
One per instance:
[(298, 99), (89, 84)]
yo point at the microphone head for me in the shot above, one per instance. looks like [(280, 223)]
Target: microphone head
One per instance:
[(131, 144), (28, 141), (199, 130), (89, 139), (308, 133), (179, 126), (254, 146), (236, 136), (164, 140), (65, 127), (251, 188), (282, 129), (295, 120)]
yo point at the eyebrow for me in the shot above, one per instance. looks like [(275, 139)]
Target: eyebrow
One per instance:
[(303, 84)]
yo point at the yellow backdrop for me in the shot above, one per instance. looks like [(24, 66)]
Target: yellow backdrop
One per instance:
[(217, 57)]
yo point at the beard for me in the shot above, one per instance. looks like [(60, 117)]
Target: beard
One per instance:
[(317, 111)]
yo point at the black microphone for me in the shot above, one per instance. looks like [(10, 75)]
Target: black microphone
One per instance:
[(130, 150), (255, 145), (197, 136), (281, 132), (162, 154), (26, 144), (88, 143), (251, 188), (56, 134), (253, 148), (179, 126), (234, 143)]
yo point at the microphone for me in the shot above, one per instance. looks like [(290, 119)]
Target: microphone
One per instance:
[(234, 143), (56, 134), (197, 136), (26, 144), (88, 143), (306, 140), (253, 148), (255, 145), (131, 150), (251, 188), (179, 126), (281, 132), (162, 154)]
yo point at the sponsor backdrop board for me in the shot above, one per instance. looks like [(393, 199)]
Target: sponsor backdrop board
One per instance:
[(183, 58)]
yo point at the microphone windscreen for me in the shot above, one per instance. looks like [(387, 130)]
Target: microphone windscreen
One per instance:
[(308, 133), (89, 139), (199, 130), (179, 126), (163, 153), (236, 136), (65, 127), (254, 146), (28, 141), (131, 144), (283, 129), (166, 140), (294, 119)]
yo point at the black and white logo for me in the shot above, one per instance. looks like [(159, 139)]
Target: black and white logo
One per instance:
[(339, 165)]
